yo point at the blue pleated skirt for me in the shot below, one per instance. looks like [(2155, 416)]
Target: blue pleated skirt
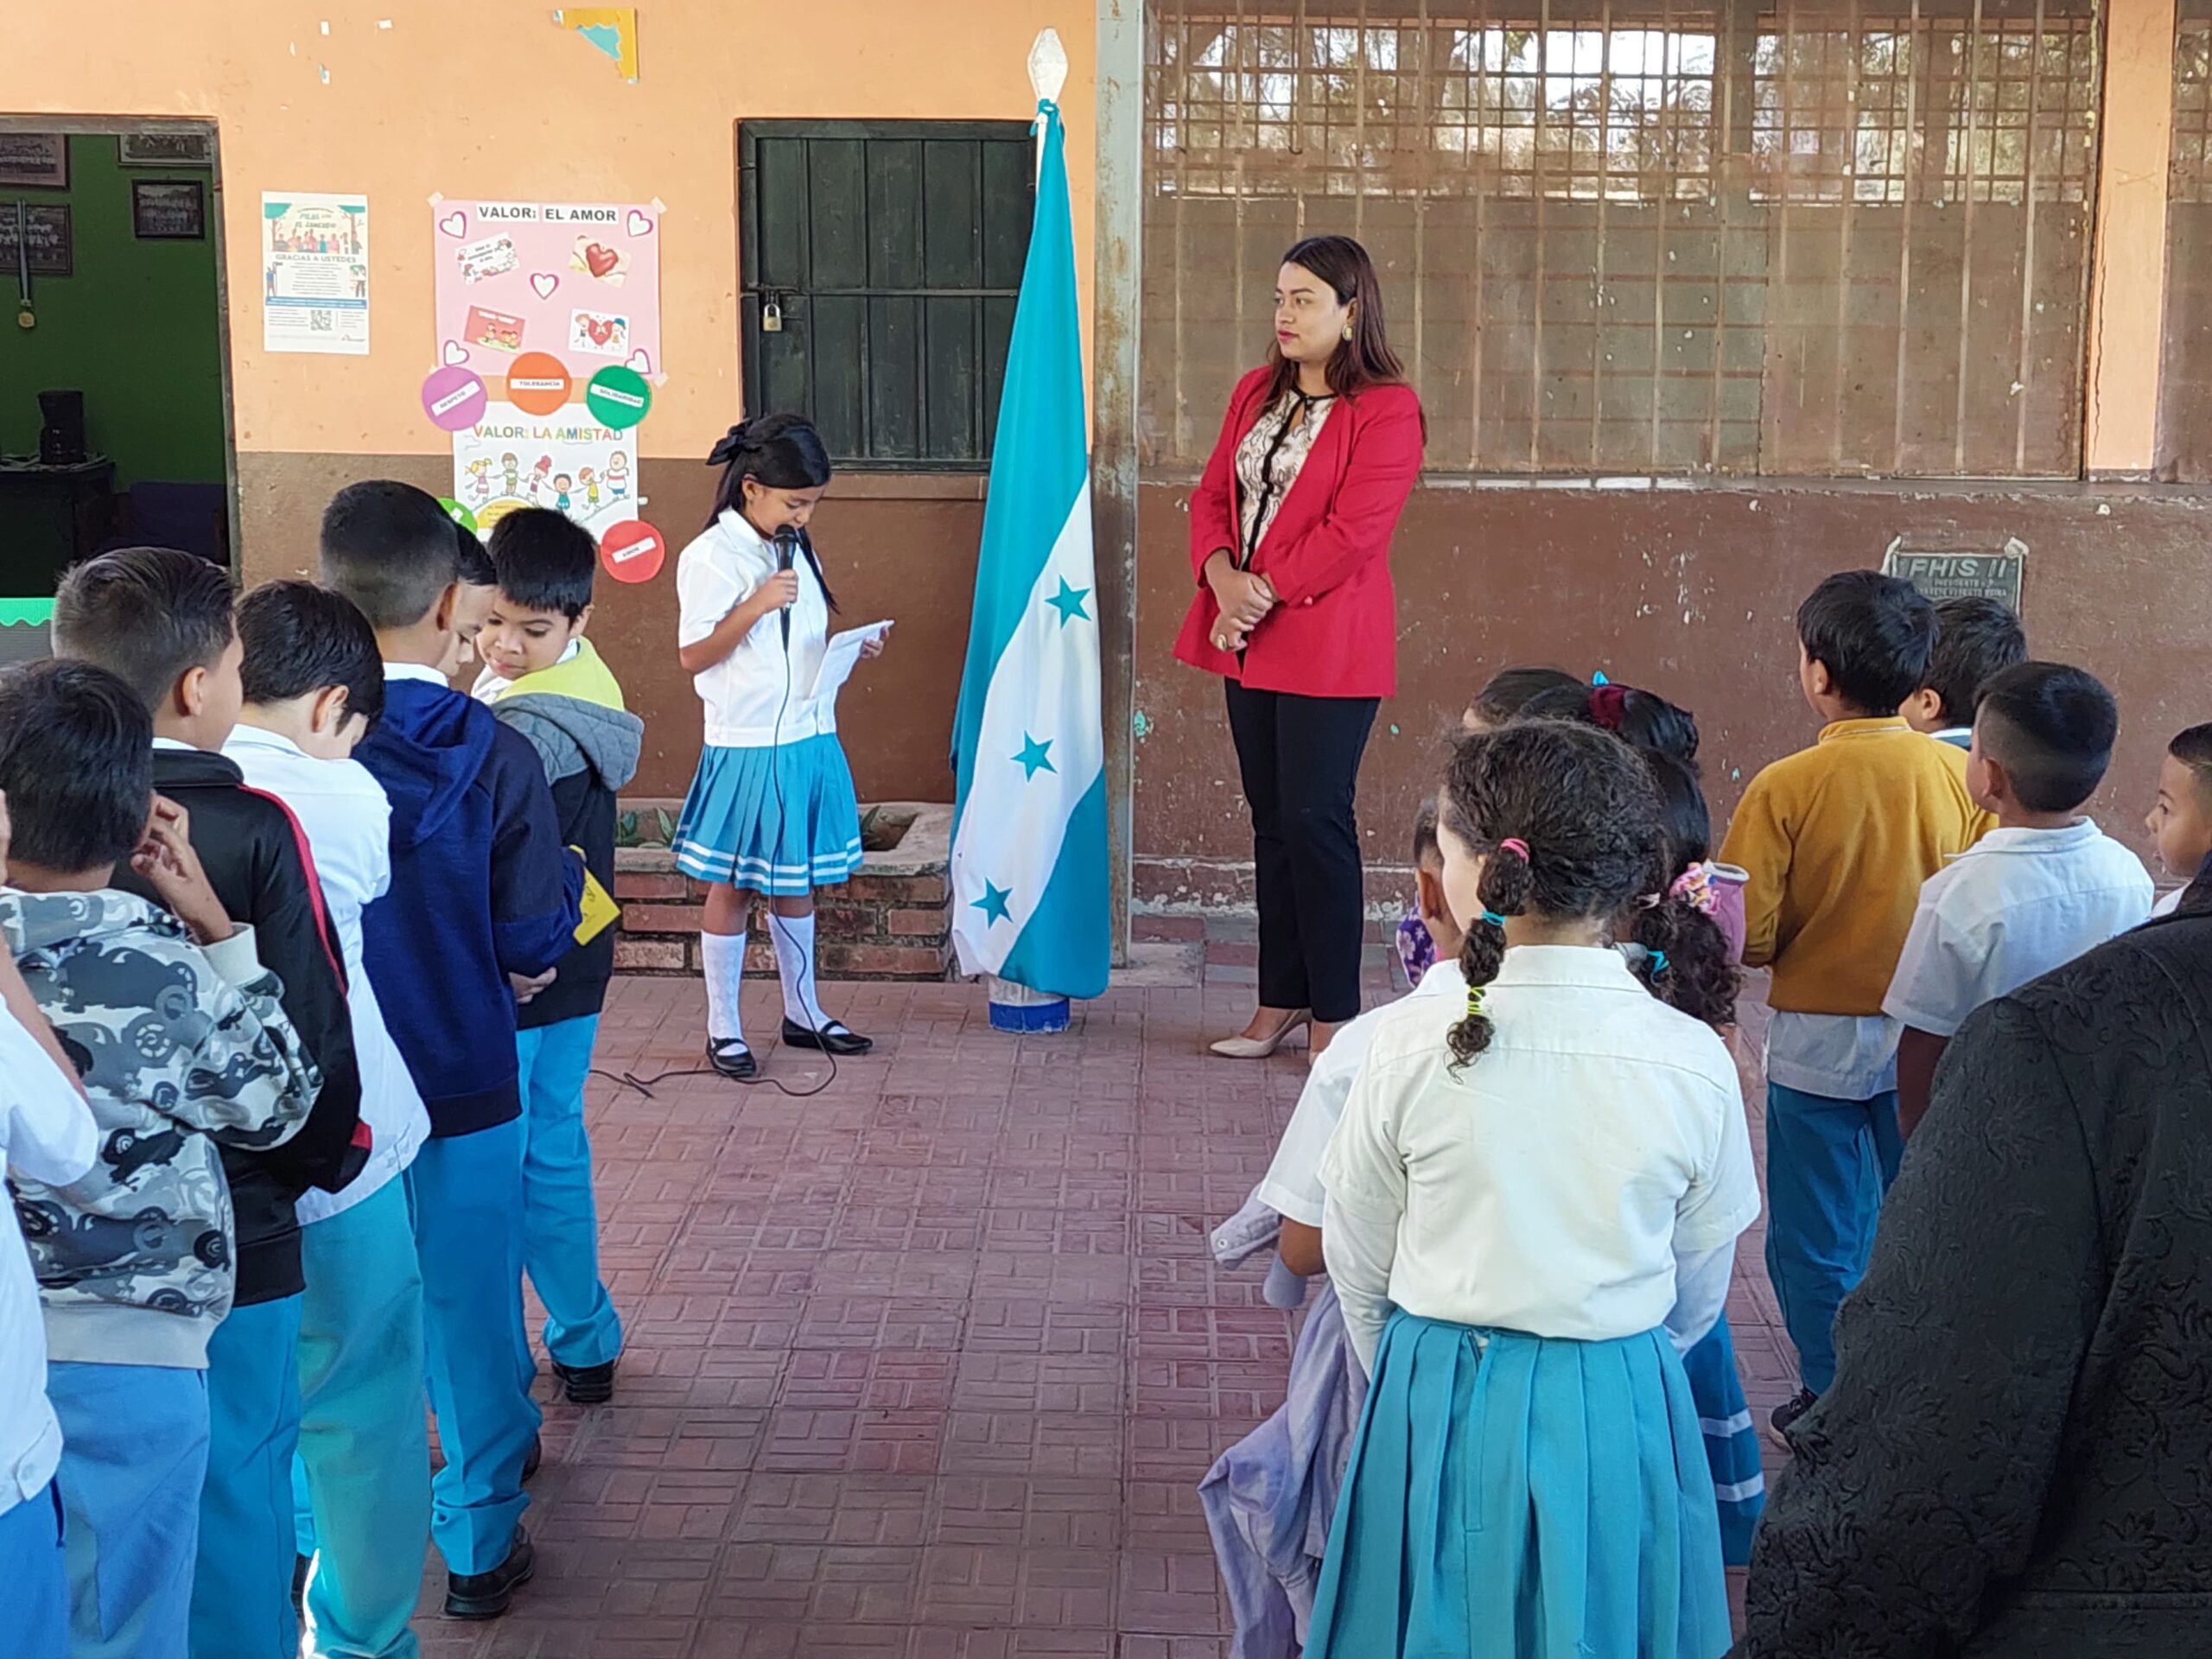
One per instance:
[(1512, 1496), (781, 820), (1732, 1443)]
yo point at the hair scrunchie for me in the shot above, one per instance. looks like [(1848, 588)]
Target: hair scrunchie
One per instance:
[(1608, 703), (731, 446), (1696, 884)]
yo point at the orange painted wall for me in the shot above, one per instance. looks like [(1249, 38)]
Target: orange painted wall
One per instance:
[(489, 97)]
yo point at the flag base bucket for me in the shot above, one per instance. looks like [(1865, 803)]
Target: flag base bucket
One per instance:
[(1017, 1008)]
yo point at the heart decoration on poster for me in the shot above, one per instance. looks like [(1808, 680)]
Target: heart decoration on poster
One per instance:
[(544, 282), (642, 360), (454, 224), (456, 353), (638, 223), (600, 260)]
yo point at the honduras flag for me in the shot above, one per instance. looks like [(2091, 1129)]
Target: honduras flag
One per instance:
[(1029, 873)]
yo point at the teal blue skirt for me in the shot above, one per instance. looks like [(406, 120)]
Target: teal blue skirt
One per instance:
[(781, 821), (1512, 1496)]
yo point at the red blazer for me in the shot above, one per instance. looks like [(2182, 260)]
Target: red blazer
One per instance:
[(1336, 633)]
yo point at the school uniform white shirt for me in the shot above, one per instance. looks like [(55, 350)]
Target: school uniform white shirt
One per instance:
[(2168, 904), (1549, 1185), (48, 1135), (2009, 909), (1292, 1187), (756, 696), (347, 820)]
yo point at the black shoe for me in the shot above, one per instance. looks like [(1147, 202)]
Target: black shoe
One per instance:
[(301, 1566), (832, 1038), (587, 1385), (534, 1459), (733, 1060), (1786, 1414), (486, 1595)]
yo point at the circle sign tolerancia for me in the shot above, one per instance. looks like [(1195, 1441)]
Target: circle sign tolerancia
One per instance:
[(633, 551), (618, 396), (454, 397), (537, 383)]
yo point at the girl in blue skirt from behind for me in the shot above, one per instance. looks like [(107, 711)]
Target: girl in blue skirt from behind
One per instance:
[(1533, 1202), (771, 811)]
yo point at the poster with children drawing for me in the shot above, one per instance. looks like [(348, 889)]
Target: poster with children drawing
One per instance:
[(564, 461), (577, 282)]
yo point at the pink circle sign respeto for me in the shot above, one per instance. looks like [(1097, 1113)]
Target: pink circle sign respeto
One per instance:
[(454, 397)]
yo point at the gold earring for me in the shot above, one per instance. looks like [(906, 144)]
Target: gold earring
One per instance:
[(1347, 331)]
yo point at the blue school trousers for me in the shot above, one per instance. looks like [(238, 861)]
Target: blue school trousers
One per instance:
[(134, 1453), (361, 1483), (1828, 1164), (467, 1194), (242, 1587), (34, 1567), (559, 1220)]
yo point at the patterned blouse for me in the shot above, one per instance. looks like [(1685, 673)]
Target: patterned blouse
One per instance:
[(1268, 463)]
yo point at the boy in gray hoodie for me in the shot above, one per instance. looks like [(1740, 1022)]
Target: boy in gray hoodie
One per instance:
[(176, 1032), (543, 678)]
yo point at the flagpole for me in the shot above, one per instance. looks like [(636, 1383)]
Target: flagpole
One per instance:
[(1017, 1008)]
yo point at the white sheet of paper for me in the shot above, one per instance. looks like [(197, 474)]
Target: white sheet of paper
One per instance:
[(839, 656)]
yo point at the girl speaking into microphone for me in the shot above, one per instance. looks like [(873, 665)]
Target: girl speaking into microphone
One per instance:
[(772, 812)]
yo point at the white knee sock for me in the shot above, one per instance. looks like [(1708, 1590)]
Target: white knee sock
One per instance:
[(794, 937), (722, 955)]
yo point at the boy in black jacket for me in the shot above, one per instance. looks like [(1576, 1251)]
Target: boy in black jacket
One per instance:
[(162, 620), (481, 889), (543, 679)]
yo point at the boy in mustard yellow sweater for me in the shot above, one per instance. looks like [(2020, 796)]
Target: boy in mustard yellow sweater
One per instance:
[(1838, 839)]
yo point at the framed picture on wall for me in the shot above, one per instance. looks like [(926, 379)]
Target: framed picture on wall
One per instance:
[(165, 149), (38, 160), (47, 230), (168, 210)]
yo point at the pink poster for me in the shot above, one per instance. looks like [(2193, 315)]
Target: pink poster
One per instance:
[(578, 282)]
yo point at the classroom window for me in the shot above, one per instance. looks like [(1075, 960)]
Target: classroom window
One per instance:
[(881, 262), (1627, 236)]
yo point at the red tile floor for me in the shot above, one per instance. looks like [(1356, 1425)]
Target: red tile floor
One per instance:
[(927, 1365)]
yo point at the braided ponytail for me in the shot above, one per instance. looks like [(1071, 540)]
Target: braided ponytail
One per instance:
[(1503, 890)]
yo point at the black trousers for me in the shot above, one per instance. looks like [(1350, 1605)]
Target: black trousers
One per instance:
[(1299, 758)]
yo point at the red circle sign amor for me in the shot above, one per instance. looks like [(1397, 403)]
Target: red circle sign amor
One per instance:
[(633, 551)]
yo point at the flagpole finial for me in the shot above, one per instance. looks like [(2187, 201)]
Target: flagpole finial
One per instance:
[(1048, 66)]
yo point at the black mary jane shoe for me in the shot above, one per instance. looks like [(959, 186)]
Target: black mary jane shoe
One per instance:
[(733, 1060), (586, 1385), (488, 1595), (833, 1037)]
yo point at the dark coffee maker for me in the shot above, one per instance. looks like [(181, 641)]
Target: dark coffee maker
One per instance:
[(61, 440)]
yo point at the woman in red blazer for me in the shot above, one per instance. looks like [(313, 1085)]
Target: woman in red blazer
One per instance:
[(1290, 538)]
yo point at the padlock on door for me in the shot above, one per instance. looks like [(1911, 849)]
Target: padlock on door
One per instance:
[(771, 317)]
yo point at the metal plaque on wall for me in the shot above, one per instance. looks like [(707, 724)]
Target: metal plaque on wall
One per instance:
[(1959, 572)]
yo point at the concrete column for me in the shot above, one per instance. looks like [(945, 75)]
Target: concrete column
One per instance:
[(2128, 278)]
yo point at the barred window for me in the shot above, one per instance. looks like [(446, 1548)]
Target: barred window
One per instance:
[(1633, 236), (2185, 373)]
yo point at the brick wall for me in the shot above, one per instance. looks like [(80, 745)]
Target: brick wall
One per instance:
[(891, 921)]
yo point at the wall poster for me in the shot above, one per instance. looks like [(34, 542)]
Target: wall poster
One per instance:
[(315, 273)]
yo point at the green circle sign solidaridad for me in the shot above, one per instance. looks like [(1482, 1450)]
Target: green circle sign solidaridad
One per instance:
[(458, 513), (618, 396)]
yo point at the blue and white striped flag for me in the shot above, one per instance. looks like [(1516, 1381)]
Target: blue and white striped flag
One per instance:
[(1029, 875)]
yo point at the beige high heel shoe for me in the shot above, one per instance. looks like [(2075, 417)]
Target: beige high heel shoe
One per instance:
[(1241, 1047)]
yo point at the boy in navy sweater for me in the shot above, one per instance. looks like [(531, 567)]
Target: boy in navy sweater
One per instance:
[(481, 888)]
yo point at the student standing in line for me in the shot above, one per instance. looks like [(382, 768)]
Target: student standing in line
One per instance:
[(1835, 842), (175, 1028), (771, 813), (2180, 818), (1975, 638), (48, 1135), (481, 888), (543, 678), (361, 1497), (162, 620), (1534, 1200)]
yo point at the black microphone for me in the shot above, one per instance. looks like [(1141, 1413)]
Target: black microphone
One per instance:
[(786, 541)]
